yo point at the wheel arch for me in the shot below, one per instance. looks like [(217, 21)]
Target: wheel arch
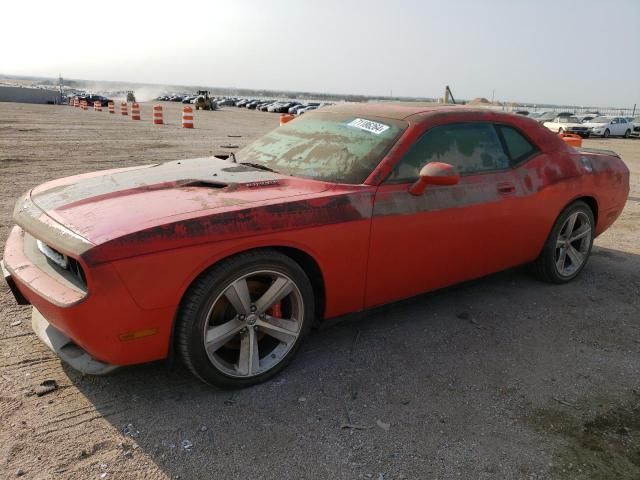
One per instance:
[(307, 262), (591, 202)]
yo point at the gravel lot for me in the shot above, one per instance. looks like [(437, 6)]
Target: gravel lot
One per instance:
[(503, 377)]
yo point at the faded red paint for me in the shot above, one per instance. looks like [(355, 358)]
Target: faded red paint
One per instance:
[(144, 234)]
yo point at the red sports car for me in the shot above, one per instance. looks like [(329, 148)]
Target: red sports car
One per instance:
[(227, 262)]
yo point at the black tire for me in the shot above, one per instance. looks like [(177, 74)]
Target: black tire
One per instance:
[(561, 130), (545, 266), (606, 133), (193, 314), (627, 134)]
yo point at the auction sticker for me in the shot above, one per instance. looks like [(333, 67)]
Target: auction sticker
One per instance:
[(369, 126)]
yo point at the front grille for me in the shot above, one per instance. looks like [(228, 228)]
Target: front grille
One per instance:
[(636, 129), (76, 269), (62, 262)]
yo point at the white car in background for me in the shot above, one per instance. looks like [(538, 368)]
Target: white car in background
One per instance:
[(607, 126), (568, 125)]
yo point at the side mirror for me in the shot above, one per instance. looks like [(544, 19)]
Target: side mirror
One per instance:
[(435, 173)]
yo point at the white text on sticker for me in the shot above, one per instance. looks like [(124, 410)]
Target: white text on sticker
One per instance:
[(369, 126)]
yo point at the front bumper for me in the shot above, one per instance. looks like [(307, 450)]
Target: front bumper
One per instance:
[(66, 349), (17, 294), (92, 330)]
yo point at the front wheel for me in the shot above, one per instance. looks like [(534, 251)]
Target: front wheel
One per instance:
[(242, 322), (568, 246), (627, 134)]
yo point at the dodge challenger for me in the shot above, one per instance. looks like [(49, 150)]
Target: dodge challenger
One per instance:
[(227, 261)]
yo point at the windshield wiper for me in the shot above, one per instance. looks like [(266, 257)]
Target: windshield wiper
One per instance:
[(259, 166)]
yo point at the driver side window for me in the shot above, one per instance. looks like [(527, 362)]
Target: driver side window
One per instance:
[(470, 147)]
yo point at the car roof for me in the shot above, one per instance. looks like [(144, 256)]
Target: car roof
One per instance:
[(403, 111), (389, 110)]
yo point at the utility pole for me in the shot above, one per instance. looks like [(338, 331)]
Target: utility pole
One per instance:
[(60, 84), (493, 94)]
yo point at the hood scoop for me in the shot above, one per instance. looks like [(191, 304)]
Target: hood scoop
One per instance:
[(202, 184)]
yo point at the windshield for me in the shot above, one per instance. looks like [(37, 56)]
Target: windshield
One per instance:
[(334, 147), (601, 120), (568, 120)]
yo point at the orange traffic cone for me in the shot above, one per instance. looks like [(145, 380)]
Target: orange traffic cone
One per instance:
[(123, 108), (112, 107)]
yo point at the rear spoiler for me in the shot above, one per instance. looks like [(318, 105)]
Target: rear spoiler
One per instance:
[(598, 151)]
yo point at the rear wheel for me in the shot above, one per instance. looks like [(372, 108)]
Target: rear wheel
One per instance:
[(606, 133), (627, 134), (243, 320), (568, 247)]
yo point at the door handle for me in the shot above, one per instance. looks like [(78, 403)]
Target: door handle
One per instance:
[(506, 188)]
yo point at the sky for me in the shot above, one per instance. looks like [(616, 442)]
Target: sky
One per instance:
[(545, 51)]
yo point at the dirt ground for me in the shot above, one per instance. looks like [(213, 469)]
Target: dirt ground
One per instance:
[(503, 377)]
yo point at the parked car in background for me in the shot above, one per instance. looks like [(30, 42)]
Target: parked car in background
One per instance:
[(284, 108), (227, 102), (104, 101), (587, 118), (606, 126), (568, 125), (307, 109), (546, 117)]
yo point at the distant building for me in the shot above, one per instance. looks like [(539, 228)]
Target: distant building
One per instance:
[(28, 95)]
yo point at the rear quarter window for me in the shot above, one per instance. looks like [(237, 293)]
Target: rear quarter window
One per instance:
[(517, 146)]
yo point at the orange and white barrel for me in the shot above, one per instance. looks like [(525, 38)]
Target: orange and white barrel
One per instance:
[(135, 111), (285, 118), (112, 107), (157, 114), (84, 105), (97, 106), (76, 102), (123, 108), (572, 139), (187, 117)]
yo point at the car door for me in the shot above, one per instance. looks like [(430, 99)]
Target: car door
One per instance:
[(614, 126), (622, 126), (449, 233)]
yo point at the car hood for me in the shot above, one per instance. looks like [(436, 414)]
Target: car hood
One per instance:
[(101, 206)]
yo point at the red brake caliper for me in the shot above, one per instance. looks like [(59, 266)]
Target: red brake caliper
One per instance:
[(275, 310)]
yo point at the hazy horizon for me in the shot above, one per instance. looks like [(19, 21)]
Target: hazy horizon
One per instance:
[(537, 52)]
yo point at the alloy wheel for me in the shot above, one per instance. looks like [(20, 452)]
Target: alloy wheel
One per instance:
[(253, 323), (573, 244)]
